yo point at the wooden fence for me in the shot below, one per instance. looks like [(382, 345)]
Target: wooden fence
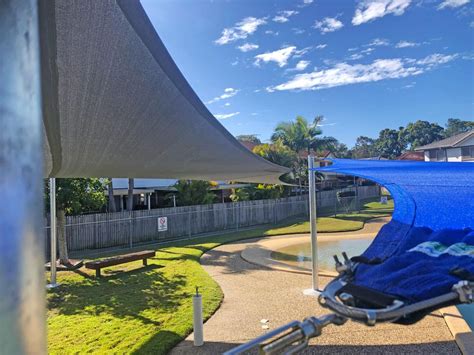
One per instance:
[(125, 229)]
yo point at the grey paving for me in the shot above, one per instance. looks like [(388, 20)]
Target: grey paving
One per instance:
[(253, 292)]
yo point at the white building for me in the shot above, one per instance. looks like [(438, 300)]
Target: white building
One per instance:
[(456, 148)]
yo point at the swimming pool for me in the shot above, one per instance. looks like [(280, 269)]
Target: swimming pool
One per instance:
[(300, 254)]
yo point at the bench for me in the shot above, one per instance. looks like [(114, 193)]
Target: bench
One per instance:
[(121, 259)]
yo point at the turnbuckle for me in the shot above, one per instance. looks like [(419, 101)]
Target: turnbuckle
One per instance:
[(465, 291), (290, 338)]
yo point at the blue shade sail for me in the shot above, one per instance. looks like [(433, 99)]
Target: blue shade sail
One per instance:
[(432, 228)]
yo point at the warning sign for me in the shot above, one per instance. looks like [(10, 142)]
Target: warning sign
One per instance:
[(162, 224)]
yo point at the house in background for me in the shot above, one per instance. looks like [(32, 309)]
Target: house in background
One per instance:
[(413, 156), (158, 193), (457, 148)]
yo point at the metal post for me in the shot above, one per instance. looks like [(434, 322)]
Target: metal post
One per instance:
[(148, 201), (22, 283), (53, 230), (313, 228)]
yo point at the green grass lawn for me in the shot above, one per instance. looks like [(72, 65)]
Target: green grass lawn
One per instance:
[(148, 310)]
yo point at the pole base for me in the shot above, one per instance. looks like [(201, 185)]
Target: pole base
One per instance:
[(51, 286), (311, 292)]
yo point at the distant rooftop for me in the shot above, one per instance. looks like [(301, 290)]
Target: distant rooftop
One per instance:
[(449, 142), (416, 156)]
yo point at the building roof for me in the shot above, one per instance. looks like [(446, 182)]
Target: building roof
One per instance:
[(449, 142), (115, 103), (410, 155)]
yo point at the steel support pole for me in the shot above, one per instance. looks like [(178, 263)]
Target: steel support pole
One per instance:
[(313, 227), (22, 282), (53, 230)]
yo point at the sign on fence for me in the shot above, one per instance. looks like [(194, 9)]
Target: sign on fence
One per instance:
[(162, 224), (383, 200)]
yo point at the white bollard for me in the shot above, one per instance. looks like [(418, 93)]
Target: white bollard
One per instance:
[(197, 319)]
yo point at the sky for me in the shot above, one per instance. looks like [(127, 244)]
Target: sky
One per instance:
[(364, 65)]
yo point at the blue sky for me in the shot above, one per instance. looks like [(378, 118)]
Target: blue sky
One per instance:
[(364, 65)]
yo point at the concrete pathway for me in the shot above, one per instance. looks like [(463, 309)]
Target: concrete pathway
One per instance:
[(254, 292)]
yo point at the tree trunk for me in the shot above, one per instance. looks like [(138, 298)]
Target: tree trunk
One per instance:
[(63, 253), (112, 207), (130, 195)]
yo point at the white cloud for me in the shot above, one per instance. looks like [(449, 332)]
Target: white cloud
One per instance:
[(280, 56), (306, 3), (321, 46), (369, 10), (346, 74), (298, 31), (452, 4), (270, 32), (302, 65), (406, 44), (223, 116), (355, 56), (283, 16), (227, 104), (436, 59), (246, 47), (377, 42), (228, 93), (328, 24), (241, 30)]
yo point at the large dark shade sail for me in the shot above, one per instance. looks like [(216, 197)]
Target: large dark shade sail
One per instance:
[(115, 103)]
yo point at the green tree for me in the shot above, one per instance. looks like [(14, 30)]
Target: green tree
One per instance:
[(252, 138), (455, 126), (340, 150), (75, 196), (421, 133), (193, 192), (364, 148), (279, 154), (258, 192), (390, 143), (302, 137)]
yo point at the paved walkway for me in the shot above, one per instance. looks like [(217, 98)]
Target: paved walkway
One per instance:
[(254, 292)]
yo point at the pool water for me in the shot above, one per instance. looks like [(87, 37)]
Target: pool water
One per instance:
[(300, 254), (467, 312)]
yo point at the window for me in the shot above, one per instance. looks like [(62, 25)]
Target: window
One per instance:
[(437, 154), (467, 153)]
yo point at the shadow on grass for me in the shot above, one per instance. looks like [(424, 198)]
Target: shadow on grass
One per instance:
[(120, 293), (159, 342)]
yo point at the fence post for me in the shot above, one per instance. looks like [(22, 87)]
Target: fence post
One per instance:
[(189, 224), (130, 228)]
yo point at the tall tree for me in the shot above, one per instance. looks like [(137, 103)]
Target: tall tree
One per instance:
[(364, 148), (75, 196), (110, 192), (302, 137), (390, 143), (340, 150), (131, 186), (252, 138), (420, 133), (455, 126)]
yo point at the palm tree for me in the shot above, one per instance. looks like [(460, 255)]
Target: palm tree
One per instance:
[(302, 136)]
